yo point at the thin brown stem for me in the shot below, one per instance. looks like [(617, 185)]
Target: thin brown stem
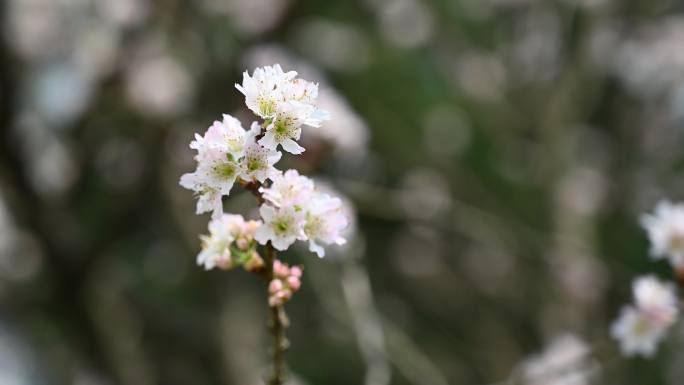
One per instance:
[(278, 320), (277, 323)]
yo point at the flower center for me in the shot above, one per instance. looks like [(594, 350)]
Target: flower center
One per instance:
[(641, 327), (281, 128), (282, 226), (267, 107), (224, 171), (254, 164), (313, 225)]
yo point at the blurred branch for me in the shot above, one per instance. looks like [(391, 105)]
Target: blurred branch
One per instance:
[(365, 320)]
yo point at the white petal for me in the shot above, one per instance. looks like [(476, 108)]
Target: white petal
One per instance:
[(292, 147), (189, 181), (282, 244), (268, 141), (263, 234), (267, 213), (316, 248)]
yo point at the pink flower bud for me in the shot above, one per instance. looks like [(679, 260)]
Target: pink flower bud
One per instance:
[(242, 244), (224, 261), (294, 283), (275, 286), (296, 271), (280, 269), (254, 263)]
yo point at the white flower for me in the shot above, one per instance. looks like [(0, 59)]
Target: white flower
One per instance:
[(305, 92), (665, 229), (214, 178), (636, 333), (282, 226), (263, 90), (216, 246), (656, 300), (325, 223), (227, 136), (289, 189), (217, 164), (258, 161), (286, 127)]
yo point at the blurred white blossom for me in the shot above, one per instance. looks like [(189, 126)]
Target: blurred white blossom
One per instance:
[(335, 45), (652, 61), (566, 361), (405, 23), (641, 327), (252, 17), (158, 85), (665, 228)]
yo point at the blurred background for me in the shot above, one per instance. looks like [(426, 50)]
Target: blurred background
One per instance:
[(497, 153)]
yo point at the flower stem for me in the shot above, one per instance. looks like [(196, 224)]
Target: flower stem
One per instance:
[(277, 323), (278, 320)]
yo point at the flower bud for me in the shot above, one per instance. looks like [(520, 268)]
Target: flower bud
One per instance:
[(296, 271), (242, 244), (254, 263), (224, 261), (275, 286), (280, 269), (294, 283)]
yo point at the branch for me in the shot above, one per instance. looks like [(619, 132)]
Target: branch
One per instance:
[(278, 320), (276, 324)]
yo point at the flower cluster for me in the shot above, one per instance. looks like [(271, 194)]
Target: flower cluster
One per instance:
[(295, 210), (230, 243), (285, 102), (642, 326), (291, 206), (225, 153), (286, 280)]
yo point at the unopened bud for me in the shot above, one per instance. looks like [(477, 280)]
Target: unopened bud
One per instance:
[(254, 263), (224, 261), (294, 283), (275, 286), (242, 243), (280, 269), (296, 271)]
